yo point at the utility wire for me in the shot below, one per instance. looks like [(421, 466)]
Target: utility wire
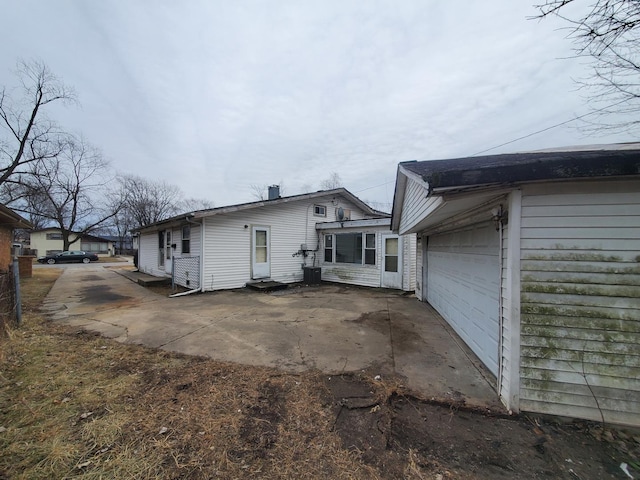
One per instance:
[(375, 186), (521, 138), (549, 128)]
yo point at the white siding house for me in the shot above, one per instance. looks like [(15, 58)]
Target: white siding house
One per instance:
[(275, 240), (49, 241), (534, 260)]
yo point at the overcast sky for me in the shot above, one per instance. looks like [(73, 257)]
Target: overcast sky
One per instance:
[(216, 96)]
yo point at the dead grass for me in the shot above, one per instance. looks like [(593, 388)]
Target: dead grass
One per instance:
[(73, 404)]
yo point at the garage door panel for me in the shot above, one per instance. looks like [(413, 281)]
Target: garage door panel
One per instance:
[(463, 286)]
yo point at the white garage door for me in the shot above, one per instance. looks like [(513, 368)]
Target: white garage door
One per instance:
[(463, 285)]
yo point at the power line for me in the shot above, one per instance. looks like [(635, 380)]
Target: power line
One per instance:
[(375, 186), (549, 128)]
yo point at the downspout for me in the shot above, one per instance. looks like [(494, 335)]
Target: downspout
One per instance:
[(201, 289)]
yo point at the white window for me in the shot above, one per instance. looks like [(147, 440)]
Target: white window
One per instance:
[(370, 249), (350, 248), (320, 210), (186, 239)]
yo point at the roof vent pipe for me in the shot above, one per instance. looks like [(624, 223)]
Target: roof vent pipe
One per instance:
[(274, 192)]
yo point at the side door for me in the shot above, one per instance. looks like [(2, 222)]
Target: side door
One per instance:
[(391, 262), (168, 252), (161, 249), (260, 252)]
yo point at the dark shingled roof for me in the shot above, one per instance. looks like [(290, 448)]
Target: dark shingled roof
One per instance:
[(524, 167)]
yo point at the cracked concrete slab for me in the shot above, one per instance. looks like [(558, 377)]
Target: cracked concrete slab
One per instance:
[(331, 328)]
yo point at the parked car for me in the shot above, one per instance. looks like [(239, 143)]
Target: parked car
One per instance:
[(69, 257)]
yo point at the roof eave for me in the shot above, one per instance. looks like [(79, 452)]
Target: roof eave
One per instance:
[(197, 214), (13, 219)]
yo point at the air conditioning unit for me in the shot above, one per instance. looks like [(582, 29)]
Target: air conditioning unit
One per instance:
[(343, 214)]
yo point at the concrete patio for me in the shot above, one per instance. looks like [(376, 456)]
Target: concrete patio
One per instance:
[(330, 327)]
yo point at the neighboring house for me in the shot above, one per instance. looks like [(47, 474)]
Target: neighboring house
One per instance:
[(122, 245), (534, 260), (228, 247), (9, 221), (48, 241)]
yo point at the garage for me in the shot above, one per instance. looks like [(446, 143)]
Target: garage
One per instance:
[(463, 285)]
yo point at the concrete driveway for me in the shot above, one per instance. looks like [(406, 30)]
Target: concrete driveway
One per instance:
[(330, 327)]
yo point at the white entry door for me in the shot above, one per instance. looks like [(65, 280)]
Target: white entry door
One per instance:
[(168, 262), (260, 253), (391, 262)]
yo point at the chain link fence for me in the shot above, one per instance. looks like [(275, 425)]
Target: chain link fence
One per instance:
[(186, 272)]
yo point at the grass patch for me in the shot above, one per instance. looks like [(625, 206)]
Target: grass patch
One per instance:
[(73, 404), (76, 405)]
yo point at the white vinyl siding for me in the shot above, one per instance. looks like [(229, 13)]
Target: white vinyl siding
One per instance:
[(420, 267), (227, 248), (509, 380), (195, 242), (505, 325), (409, 262), (148, 252), (414, 206), (580, 300)]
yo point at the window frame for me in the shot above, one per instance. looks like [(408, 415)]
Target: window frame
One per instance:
[(331, 246), (317, 207), (366, 249), (328, 249), (186, 240)]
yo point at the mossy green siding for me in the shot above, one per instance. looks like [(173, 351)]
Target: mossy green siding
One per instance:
[(580, 300)]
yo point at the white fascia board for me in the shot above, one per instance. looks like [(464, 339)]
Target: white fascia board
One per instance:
[(413, 176), (402, 178), (375, 222)]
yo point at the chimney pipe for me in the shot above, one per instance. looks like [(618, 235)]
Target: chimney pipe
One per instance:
[(274, 192)]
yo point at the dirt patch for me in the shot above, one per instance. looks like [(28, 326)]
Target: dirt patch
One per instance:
[(402, 436)]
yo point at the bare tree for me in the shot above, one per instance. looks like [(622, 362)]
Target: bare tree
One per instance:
[(147, 202), (192, 204), (608, 34), (67, 191), (384, 207), (334, 181), (28, 136), (261, 191)]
